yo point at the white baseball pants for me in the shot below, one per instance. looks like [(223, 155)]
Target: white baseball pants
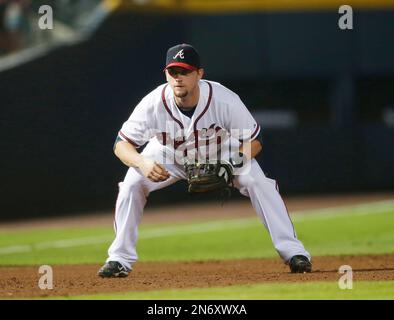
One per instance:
[(262, 191)]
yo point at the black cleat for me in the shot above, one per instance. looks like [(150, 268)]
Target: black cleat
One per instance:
[(300, 264), (113, 269)]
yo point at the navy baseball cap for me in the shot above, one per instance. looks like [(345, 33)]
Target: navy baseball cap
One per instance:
[(183, 55)]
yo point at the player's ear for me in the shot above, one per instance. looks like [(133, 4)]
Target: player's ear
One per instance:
[(200, 73), (167, 75)]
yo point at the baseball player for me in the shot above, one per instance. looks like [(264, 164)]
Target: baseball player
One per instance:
[(187, 119)]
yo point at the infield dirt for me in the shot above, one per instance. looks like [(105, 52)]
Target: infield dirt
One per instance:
[(17, 282), (146, 276)]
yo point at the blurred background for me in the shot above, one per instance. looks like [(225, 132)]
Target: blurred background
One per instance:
[(323, 96)]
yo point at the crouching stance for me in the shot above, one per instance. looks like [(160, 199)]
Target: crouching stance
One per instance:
[(200, 131)]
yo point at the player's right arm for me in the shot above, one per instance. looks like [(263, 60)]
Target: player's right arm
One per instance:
[(129, 155), (135, 132)]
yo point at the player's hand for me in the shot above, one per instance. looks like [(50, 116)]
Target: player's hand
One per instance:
[(154, 171)]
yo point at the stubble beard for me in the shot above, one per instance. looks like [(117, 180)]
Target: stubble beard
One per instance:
[(182, 94)]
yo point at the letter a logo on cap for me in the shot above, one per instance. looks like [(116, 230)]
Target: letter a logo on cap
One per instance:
[(180, 54)]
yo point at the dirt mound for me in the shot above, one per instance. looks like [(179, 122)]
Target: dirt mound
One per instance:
[(82, 279)]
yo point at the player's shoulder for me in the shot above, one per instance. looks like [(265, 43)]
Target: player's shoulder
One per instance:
[(221, 93)]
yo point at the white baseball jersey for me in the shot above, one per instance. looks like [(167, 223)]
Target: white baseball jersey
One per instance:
[(219, 115)]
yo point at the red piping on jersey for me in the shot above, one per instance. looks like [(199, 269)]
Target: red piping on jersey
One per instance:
[(254, 133), (202, 113), (128, 139), (163, 98)]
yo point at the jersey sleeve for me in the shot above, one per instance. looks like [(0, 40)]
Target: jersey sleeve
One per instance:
[(242, 125), (138, 129)]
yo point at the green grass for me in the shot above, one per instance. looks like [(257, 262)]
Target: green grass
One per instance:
[(368, 230), (366, 290)]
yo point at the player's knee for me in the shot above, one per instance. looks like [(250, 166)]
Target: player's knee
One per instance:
[(251, 182), (134, 187), (246, 181)]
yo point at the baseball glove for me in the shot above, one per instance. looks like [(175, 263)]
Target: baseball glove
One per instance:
[(210, 177)]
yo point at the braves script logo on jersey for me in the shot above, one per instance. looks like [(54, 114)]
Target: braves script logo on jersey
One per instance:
[(180, 54), (204, 144), (205, 136)]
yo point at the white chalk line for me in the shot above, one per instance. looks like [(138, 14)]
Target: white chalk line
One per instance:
[(180, 229)]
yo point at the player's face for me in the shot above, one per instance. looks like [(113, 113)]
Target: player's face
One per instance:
[(183, 81)]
